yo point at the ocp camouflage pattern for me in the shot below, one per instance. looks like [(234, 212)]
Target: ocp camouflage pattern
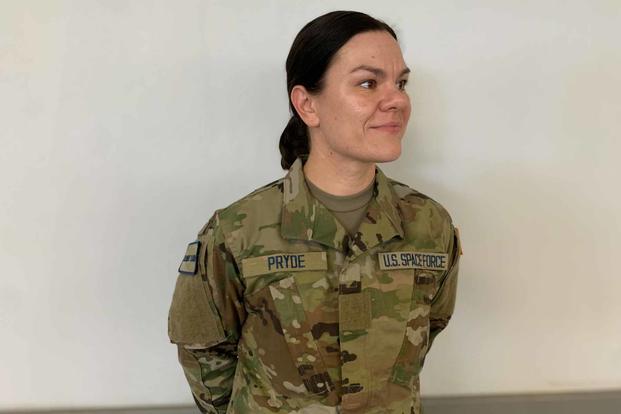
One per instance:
[(341, 336)]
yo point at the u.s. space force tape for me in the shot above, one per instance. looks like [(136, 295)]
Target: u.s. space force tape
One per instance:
[(413, 260)]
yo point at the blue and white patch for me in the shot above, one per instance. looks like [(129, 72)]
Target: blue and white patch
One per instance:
[(413, 260), (189, 264)]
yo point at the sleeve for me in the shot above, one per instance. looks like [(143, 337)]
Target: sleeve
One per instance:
[(205, 318), (443, 303)]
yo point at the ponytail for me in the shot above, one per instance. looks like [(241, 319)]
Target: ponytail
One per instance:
[(293, 141)]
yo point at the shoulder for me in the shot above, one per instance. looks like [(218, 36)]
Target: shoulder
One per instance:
[(260, 205), (414, 199), (423, 218)]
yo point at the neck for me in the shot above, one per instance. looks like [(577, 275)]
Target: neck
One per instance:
[(337, 175)]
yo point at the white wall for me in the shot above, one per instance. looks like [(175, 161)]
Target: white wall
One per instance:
[(120, 120)]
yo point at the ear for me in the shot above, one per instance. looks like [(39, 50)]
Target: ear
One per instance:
[(305, 104)]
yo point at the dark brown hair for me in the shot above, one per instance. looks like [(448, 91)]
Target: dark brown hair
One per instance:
[(309, 57)]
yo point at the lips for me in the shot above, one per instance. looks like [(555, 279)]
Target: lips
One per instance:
[(391, 127), (388, 125)]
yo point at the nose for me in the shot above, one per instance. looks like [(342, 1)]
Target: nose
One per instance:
[(394, 99)]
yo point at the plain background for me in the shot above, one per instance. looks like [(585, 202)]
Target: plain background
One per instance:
[(125, 124)]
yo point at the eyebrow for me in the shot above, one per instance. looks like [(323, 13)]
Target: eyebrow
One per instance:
[(377, 71)]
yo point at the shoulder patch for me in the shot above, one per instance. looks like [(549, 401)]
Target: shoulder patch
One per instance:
[(189, 264)]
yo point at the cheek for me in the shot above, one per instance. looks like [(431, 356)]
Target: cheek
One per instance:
[(351, 113), (362, 110), (345, 110)]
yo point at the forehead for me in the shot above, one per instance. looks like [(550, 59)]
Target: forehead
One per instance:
[(376, 48)]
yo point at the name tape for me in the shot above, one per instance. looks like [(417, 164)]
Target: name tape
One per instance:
[(413, 260), (284, 262)]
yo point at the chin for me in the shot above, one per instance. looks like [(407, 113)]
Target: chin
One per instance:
[(386, 149), (386, 154), (387, 158)]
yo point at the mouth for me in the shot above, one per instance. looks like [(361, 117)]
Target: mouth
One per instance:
[(391, 127)]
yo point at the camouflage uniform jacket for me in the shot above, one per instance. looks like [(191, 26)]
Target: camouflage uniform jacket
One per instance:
[(277, 310)]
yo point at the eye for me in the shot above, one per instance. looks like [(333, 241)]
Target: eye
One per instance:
[(371, 83), (402, 84)]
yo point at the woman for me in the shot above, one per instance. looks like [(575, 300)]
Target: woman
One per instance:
[(321, 292)]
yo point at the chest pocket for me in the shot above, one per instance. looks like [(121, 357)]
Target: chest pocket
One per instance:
[(280, 330), (415, 344)]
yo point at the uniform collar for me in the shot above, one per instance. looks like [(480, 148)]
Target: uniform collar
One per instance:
[(305, 218)]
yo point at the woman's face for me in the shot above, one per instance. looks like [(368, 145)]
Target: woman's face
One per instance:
[(363, 109)]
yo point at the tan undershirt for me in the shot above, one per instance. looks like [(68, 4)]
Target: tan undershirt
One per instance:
[(349, 209)]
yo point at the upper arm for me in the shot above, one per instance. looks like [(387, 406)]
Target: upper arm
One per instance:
[(443, 303), (207, 302)]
